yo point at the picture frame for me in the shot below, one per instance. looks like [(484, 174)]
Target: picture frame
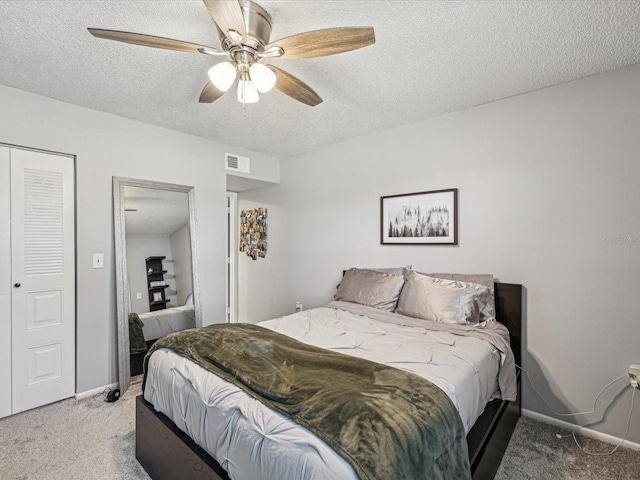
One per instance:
[(157, 296), (421, 218)]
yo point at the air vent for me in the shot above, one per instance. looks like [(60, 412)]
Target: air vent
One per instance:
[(232, 162), (237, 163)]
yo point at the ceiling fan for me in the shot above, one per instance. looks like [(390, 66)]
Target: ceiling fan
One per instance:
[(244, 29)]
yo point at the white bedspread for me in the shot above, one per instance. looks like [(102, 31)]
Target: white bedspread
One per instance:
[(251, 441), (159, 323)]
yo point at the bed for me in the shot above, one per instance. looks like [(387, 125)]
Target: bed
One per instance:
[(155, 325), (159, 323), (166, 451)]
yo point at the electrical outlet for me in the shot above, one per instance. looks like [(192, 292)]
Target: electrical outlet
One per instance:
[(138, 296), (634, 375), (298, 306)]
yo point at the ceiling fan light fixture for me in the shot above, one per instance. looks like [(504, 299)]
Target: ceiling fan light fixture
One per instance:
[(263, 77), (247, 92), (244, 31), (222, 75)]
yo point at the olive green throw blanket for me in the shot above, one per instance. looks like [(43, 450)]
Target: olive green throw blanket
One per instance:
[(137, 343), (387, 423)]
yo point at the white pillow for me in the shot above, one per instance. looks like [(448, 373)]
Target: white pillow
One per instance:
[(440, 300)]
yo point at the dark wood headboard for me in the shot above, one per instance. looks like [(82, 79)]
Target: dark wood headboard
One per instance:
[(509, 312)]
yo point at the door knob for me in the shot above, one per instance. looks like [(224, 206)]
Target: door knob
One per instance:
[(17, 285)]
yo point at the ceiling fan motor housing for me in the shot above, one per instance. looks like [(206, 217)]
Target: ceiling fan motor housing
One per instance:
[(257, 23)]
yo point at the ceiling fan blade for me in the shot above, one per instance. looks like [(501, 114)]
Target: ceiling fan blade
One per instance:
[(295, 88), (210, 93), (320, 43), (228, 16), (152, 41)]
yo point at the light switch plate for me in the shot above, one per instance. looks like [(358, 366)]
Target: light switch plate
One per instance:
[(138, 296), (98, 260)]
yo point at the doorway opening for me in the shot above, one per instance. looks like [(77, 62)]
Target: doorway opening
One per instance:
[(232, 257)]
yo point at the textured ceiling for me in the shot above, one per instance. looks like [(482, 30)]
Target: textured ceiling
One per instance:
[(430, 58), (150, 211)]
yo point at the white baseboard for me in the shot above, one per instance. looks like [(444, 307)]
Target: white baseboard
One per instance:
[(95, 391), (588, 432)]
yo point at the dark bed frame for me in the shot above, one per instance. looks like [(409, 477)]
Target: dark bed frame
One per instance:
[(167, 453)]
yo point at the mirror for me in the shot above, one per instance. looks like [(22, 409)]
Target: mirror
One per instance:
[(156, 267)]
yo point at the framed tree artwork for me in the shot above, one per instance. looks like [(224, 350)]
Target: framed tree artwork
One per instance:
[(423, 218)]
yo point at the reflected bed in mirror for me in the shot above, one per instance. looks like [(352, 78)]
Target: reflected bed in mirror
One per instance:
[(156, 267)]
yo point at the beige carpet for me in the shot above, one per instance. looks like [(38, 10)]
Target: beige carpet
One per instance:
[(536, 453), (95, 440), (88, 439)]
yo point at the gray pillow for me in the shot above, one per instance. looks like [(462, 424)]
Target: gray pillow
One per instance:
[(440, 300), (391, 270), (488, 312), (367, 287)]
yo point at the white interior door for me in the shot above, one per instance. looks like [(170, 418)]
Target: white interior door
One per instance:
[(5, 284), (43, 278)]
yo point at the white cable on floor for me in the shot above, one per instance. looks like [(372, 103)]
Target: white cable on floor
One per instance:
[(571, 414), (621, 441), (573, 434)]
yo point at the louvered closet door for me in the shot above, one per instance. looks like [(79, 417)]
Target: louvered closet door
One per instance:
[(5, 284), (43, 279)]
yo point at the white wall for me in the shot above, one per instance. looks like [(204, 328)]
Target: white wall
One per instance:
[(139, 248), (181, 254), (255, 296), (107, 146), (547, 182)]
